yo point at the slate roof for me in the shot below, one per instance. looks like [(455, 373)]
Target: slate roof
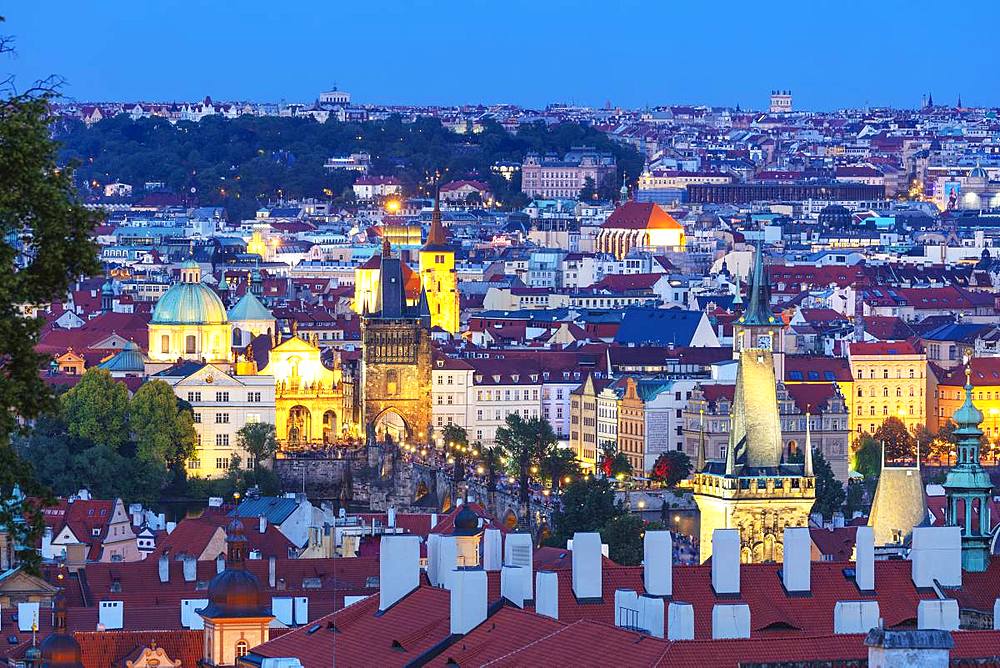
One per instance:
[(658, 327), (276, 509)]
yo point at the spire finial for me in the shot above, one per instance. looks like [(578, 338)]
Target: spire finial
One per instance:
[(701, 442), (807, 468)]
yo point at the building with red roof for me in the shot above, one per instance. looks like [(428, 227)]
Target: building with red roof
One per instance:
[(640, 225)]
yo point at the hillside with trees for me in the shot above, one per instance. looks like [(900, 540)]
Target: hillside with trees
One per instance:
[(249, 161)]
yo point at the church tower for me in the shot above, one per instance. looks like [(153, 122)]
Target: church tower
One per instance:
[(753, 489), (758, 327), (968, 486), (438, 276)]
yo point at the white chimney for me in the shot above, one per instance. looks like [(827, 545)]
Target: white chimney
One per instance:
[(726, 561), (936, 554), (447, 560), (111, 615), (189, 618), (220, 563), (797, 566), (547, 594), (587, 566), (730, 620), (855, 616), (262, 524), (939, 614), (434, 520), (996, 615), (272, 571), (492, 550), (518, 551), (626, 609), (680, 621), (512, 584), (390, 517), (468, 600), (433, 540), (163, 565), (190, 565), (651, 615), (398, 568), (864, 559), (658, 563)]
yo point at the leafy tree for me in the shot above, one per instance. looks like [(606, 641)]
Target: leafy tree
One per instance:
[(614, 463), (868, 457), (96, 409), (492, 459), (588, 504), (671, 467), (898, 442), (855, 498), (457, 441), (589, 190), (829, 491), (259, 440), (558, 465), (624, 537), (525, 443), (164, 432)]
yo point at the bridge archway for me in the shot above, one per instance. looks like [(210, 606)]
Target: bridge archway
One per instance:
[(392, 424)]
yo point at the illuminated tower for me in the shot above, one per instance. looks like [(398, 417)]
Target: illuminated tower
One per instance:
[(758, 327), (968, 486), (438, 276)]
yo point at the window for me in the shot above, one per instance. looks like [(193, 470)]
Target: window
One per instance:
[(222, 418), (164, 344), (189, 344), (253, 397), (222, 396), (221, 440), (196, 417), (194, 397), (194, 463), (221, 463)]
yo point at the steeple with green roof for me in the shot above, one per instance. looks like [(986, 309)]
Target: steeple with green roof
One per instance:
[(967, 485)]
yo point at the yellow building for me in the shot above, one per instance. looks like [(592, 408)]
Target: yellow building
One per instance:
[(309, 397), (189, 322), (367, 283), (890, 380), (950, 395), (438, 276)]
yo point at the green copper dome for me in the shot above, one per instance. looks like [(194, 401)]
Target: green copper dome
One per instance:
[(190, 302)]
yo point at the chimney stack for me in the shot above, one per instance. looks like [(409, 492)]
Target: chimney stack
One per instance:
[(658, 563), (399, 569), (730, 620), (726, 561), (468, 600), (864, 558), (492, 550), (518, 551), (796, 570), (163, 566), (262, 524), (190, 565), (680, 621), (651, 615), (512, 584), (941, 614), (855, 616), (547, 594), (272, 571), (937, 555), (390, 517), (587, 566)]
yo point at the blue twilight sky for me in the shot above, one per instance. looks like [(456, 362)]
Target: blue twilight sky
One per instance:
[(630, 52)]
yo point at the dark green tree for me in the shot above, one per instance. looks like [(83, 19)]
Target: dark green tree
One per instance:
[(897, 440), (525, 444), (589, 190), (868, 457), (96, 409), (259, 440), (559, 467), (624, 537), (492, 459), (829, 491), (164, 432), (456, 441), (855, 498), (587, 504)]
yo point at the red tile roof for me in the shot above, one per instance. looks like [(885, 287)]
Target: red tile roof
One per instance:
[(641, 216), (883, 348)]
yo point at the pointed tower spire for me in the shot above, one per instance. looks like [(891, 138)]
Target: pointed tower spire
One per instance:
[(436, 237), (758, 312), (807, 469), (731, 459), (700, 465), (738, 299), (624, 189)]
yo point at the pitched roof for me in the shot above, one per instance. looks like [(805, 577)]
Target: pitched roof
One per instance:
[(634, 215), (658, 326)]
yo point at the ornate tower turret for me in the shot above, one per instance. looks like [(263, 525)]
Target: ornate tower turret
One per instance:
[(438, 276), (967, 485)]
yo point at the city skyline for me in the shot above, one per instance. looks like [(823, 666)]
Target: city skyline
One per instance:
[(557, 53)]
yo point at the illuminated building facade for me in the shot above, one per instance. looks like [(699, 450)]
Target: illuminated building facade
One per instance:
[(438, 276), (396, 359), (189, 322), (890, 379), (309, 397), (367, 283), (639, 225), (950, 394), (753, 489)]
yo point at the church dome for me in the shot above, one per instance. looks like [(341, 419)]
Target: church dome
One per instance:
[(61, 650), (189, 302), (466, 522), (235, 593), (979, 173)]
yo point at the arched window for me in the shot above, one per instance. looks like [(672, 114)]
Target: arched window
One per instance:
[(237, 336), (885, 391), (899, 391), (242, 648), (165, 344)]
